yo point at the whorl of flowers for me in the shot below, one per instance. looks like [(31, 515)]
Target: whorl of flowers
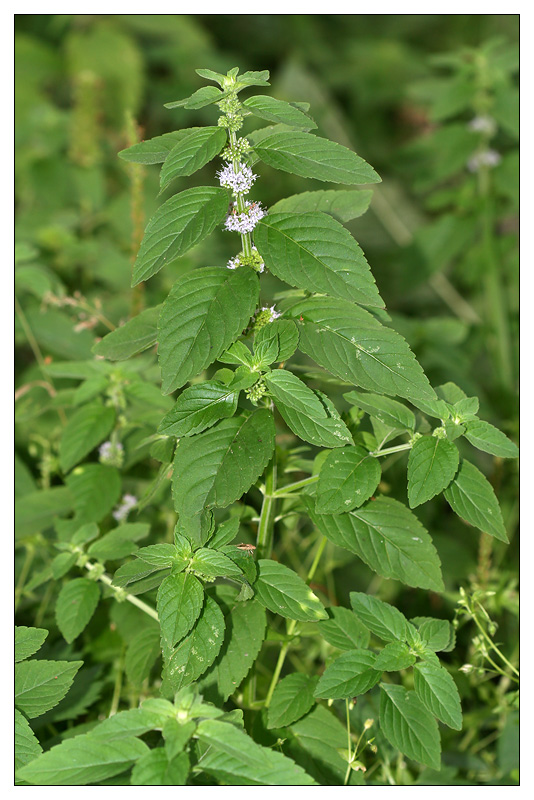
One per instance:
[(246, 221), (239, 182)]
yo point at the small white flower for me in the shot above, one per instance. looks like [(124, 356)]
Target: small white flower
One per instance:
[(111, 453), (486, 158), (239, 182), (233, 263), (247, 220), (123, 509), (482, 124), (274, 313)]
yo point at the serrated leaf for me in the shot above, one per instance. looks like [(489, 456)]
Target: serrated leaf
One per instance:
[(472, 497), (283, 592), (204, 313), (347, 479), (385, 621), (387, 411), (292, 698), (62, 563), (197, 652), (343, 205), (134, 722), (84, 760), (111, 546), (316, 253), (214, 564), (191, 153), (349, 675), (490, 439), (281, 336), (437, 691), (432, 465), (312, 157), (37, 511), (155, 150), (179, 224), (303, 412), (159, 555), (274, 110), (408, 726), (202, 97), (135, 336), (133, 571), (141, 654), (450, 393), (216, 467), (75, 605), (245, 629), (394, 656), (199, 407), (83, 432), (40, 685), (179, 603), (321, 735), (343, 630), (388, 537), (28, 641), (27, 748), (154, 769), (95, 489), (226, 532), (435, 633), (352, 345), (236, 758)]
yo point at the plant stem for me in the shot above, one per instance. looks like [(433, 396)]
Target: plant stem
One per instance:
[(246, 243), (293, 487), (117, 689), (264, 542), (129, 597), (390, 450), (347, 774), (30, 552), (493, 646)]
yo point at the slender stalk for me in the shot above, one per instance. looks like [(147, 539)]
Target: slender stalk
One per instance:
[(129, 597), (293, 487), (117, 689), (347, 774), (264, 542), (398, 449), (30, 553), (494, 646)]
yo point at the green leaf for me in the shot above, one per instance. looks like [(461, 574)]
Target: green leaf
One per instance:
[(37, 511), (343, 205), (321, 735), (352, 345), (141, 653), (245, 629), (216, 467), (343, 630), (204, 313), (214, 564), (472, 497), (133, 337), (315, 252), (385, 621), (387, 411), (303, 412), (191, 153), (134, 722), (96, 489), (156, 150), (111, 546), (75, 605), (279, 338), (347, 479), (408, 726), (292, 698), (253, 78), (179, 224), (202, 97), (349, 675), (435, 633), (84, 760), (236, 758), (197, 652), (28, 641), (83, 432), (226, 532), (437, 691), (159, 555), (388, 537), (40, 685), (62, 563), (27, 748), (274, 110), (394, 656), (450, 393), (283, 592), (490, 439), (199, 407), (133, 571), (154, 769), (312, 157), (180, 600), (432, 465)]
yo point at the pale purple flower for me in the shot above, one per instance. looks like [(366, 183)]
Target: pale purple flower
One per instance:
[(125, 506), (486, 158), (233, 263), (482, 124), (274, 313), (239, 182), (247, 220)]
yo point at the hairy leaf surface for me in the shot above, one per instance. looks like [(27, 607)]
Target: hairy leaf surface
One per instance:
[(432, 465), (199, 407), (191, 153)]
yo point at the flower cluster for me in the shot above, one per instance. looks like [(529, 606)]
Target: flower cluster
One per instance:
[(246, 221), (236, 151), (265, 316), (483, 124), (256, 392), (239, 182), (486, 158), (125, 506), (111, 453), (254, 260)]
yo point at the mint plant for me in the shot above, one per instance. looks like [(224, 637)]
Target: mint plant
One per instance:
[(220, 591)]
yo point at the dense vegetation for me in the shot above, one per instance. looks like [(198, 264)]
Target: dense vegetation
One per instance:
[(112, 532)]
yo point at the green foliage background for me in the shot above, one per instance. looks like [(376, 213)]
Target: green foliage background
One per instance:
[(88, 86)]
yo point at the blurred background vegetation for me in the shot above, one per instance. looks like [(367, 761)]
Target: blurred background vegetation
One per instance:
[(431, 101)]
